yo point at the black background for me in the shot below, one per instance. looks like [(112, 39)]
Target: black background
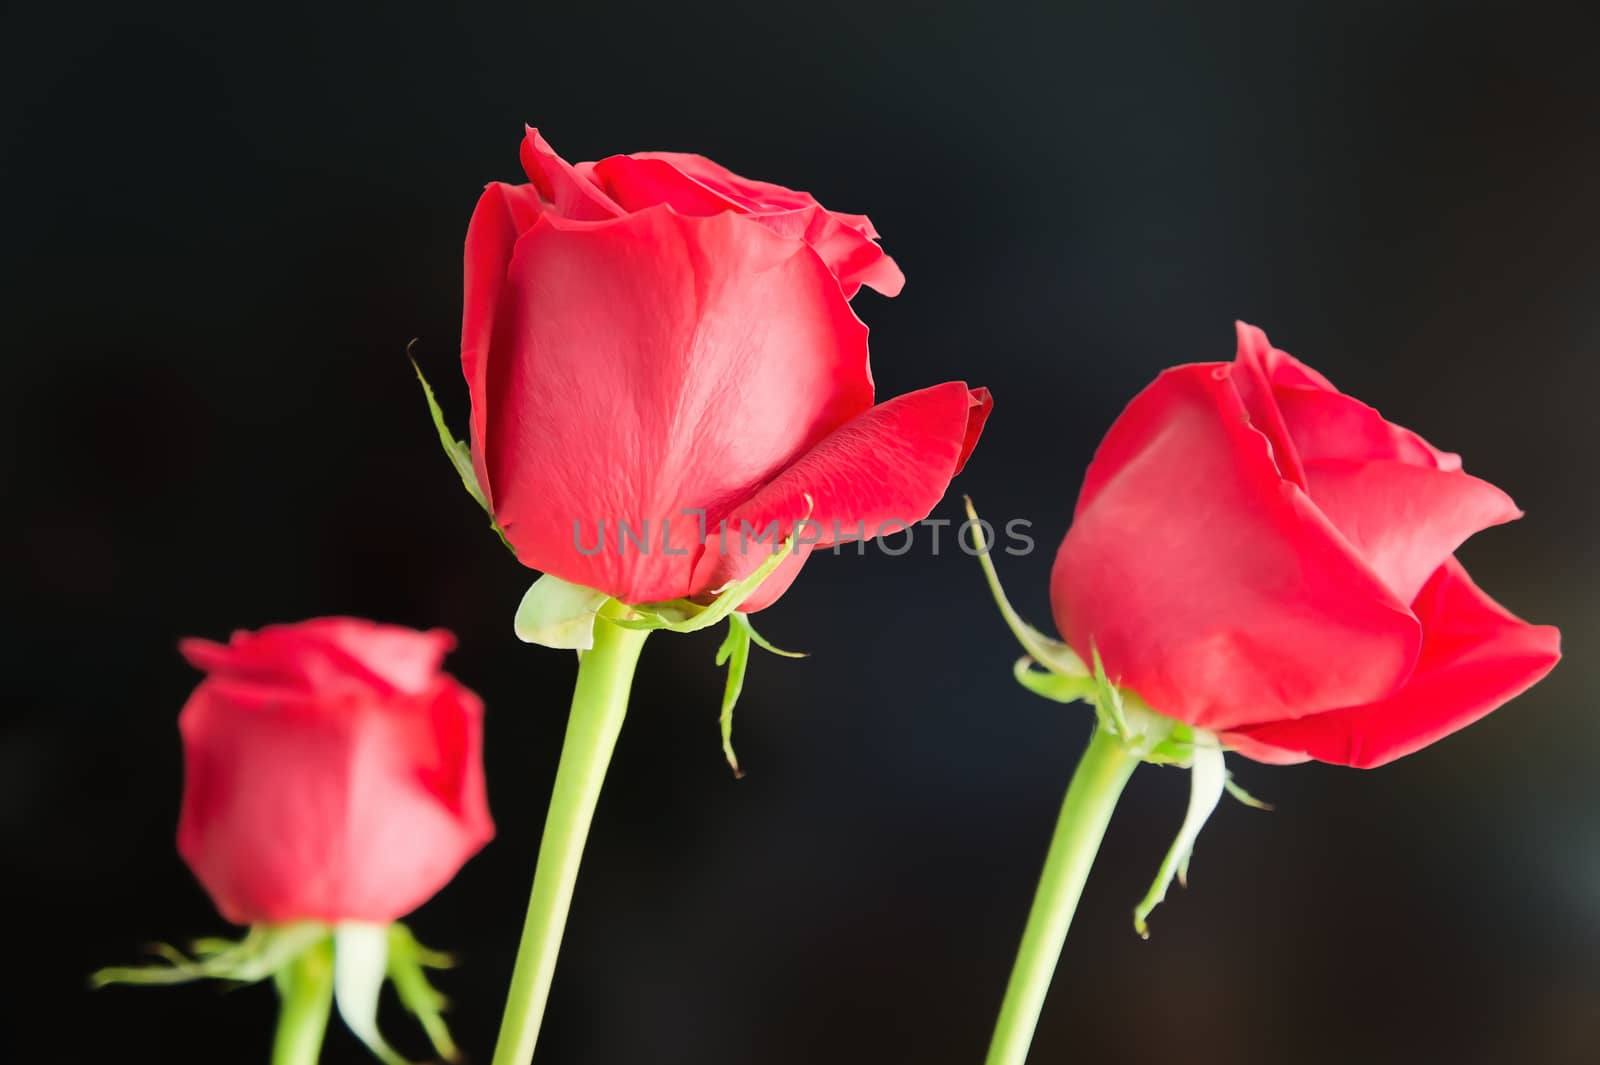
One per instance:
[(225, 223)]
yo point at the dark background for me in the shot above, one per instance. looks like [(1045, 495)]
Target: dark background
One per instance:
[(224, 225)]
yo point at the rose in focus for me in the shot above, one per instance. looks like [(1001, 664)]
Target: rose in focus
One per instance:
[(331, 772), (1256, 554), (654, 341)]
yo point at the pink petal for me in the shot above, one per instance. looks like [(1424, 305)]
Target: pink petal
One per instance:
[(300, 809), (845, 242), (1212, 586), (1253, 371), (638, 183), (407, 660), (569, 192), (884, 470), (1331, 425), (754, 196), (650, 365), (1322, 421), (1309, 419), (1405, 520), (1476, 656), (503, 214), (853, 256), (777, 582), (324, 654), (980, 404)]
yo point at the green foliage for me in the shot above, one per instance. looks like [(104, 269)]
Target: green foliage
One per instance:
[(735, 654), (1207, 778), (262, 952), (554, 613), (457, 451), (363, 957)]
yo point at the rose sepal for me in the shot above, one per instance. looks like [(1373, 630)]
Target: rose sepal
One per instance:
[(735, 654), (263, 951), (1054, 655), (558, 614), (458, 452), (685, 615), (1064, 677), (366, 955), (355, 957), (1207, 779), (1146, 734), (682, 615)]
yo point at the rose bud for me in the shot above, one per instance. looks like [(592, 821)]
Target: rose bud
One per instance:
[(1259, 563), (333, 783), (333, 773)]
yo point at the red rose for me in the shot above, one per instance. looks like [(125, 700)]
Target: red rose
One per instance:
[(1256, 554), (331, 772), (658, 349)]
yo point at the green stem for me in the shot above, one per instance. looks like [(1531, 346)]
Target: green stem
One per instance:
[(305, 991), (599, 703), (1091, 797)]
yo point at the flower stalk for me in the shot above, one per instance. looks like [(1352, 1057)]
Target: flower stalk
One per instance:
[(305, 992), (1097, 783), (599, 704)]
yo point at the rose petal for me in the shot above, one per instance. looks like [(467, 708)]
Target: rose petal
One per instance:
[(503, 214), (295, 812), (1476, 656), (778, 581), (637, 184), (1278, 367), (886, 469), (1331, 425), (980, 404), (324, 654), (753, 195), (1252, 375), (651, 364), (845, 242), (406, 659), (1405, 520), (1209, 584), (1320, 421), (854, 258), (569, 192)]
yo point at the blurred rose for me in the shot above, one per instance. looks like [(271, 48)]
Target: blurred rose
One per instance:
[(652, 340), (332, 772), (1257, 554)]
